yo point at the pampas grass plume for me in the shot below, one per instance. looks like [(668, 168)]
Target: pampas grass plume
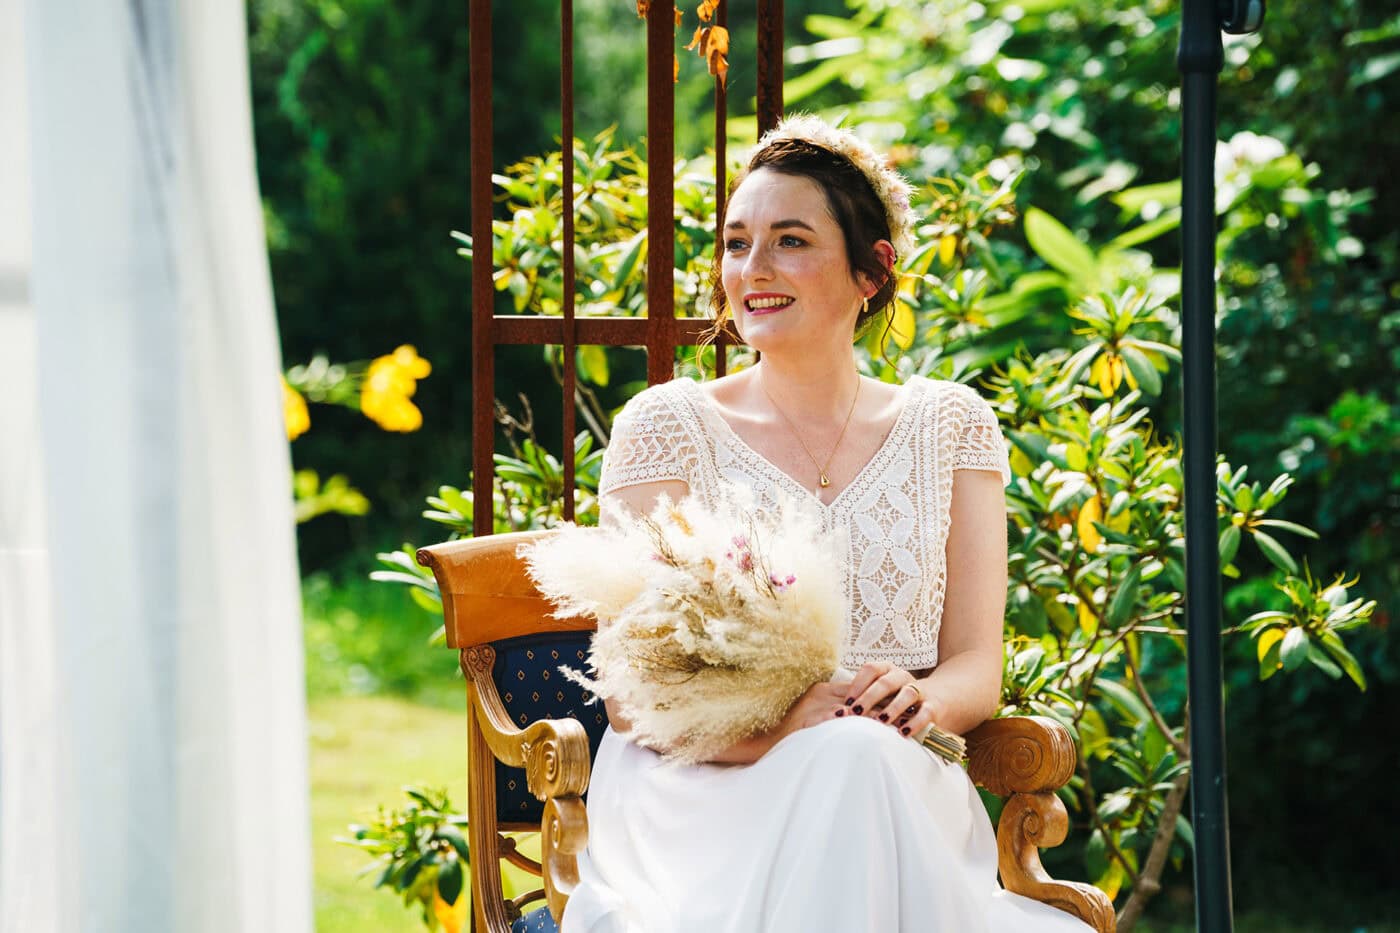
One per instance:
[(713, 618)]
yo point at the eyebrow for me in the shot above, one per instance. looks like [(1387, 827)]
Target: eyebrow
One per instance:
[(777, 225)]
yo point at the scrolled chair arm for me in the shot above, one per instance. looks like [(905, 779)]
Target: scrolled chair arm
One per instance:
[(563, 837), (553, 752), (1020, 755), (1028, 758), (557, 763)]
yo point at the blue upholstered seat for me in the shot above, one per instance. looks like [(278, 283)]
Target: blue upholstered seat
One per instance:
[(536, 921), (531, 687)]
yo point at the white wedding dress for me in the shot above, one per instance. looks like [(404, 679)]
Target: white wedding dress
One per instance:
[(847, 826)]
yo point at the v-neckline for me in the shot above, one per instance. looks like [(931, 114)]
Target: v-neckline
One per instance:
[(709, 408)]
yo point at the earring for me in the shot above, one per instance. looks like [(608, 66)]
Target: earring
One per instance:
[(864, 305)]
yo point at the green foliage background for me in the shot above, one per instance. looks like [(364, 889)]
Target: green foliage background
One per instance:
[(361, 121)]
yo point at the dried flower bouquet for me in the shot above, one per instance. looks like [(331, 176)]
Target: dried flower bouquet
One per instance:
[(712, 620)]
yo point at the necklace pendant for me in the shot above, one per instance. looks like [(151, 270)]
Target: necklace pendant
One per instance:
[(825, 481)]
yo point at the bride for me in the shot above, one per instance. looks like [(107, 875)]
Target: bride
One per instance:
[(837, 819)]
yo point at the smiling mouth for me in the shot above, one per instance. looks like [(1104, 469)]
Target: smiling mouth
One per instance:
[(765, 305)]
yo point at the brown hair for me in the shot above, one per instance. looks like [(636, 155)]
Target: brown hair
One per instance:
[(852, 203)]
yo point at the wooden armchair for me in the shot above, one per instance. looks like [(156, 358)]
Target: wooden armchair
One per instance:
[(531, 738)]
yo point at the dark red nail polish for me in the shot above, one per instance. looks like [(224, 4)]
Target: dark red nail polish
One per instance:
[(904, 730), (884, 717), (840, 712), (850, 700), (858, 710)]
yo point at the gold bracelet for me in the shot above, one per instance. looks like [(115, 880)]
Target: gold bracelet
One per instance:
[(951, 748)]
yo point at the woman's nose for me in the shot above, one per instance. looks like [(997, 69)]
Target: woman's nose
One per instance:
[(760, 264)]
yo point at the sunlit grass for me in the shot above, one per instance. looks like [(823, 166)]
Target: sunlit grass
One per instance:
[(363, 750)]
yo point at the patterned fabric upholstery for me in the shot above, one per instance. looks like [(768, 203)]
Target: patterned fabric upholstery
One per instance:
[(531, 687), (536, 921)]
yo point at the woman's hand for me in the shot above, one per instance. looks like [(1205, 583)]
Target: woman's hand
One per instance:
[(818, 704), (890, 694)]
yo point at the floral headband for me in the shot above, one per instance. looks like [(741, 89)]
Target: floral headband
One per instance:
[(890, 186)]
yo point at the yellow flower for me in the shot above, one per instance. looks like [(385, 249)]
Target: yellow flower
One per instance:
[(389, 383), (1021, 464), (1108, 371), (452, 916), (1091, 511), (294, 413), (947, 249), (384, 376), (392, 411), (1087, 620), (407, 358)]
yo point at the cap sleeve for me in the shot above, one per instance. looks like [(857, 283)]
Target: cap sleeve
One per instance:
[(649, 443), (980, 443)]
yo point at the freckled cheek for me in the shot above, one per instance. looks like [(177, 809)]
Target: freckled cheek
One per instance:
[(729, 277)]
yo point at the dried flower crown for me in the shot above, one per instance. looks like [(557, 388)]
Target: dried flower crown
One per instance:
[(890, 187)]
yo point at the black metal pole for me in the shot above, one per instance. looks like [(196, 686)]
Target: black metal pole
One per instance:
[(1199, 58)]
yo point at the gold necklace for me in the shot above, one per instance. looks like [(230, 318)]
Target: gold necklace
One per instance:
[(824, 480)]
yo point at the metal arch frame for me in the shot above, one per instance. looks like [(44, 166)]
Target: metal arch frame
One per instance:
[(661, 331)]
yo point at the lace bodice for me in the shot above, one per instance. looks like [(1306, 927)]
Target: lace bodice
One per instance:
[(894, 513)]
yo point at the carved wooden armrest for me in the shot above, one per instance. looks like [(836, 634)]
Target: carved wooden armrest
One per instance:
[(555, 756), (1027, 758)]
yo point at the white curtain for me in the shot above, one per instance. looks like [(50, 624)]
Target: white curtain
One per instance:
[(152, 724)]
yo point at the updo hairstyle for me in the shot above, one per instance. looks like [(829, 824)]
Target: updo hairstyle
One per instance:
[(852, 203)]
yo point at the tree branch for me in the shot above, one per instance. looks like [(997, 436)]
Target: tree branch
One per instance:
[(1092, 807), (1182, 751), (587, 404), (1149, 883)]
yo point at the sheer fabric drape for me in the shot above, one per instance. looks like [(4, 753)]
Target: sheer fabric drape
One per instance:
[(152, 727)]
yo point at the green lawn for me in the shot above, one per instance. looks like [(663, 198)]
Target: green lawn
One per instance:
[(363, 750)]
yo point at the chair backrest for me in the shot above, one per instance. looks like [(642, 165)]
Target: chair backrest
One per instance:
[(486, 594)]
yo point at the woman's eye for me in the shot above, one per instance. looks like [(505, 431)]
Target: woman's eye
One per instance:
[(734, 245), (790, 240)]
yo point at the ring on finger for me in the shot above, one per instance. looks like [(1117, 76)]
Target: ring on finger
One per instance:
[(914, 707)]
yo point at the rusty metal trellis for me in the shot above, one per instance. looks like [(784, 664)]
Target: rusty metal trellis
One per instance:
[(661, 331)]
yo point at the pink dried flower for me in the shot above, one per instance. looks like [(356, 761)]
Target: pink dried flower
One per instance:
[(744, 556)]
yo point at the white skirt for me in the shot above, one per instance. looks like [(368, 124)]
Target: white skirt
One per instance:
[(846, 826)]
